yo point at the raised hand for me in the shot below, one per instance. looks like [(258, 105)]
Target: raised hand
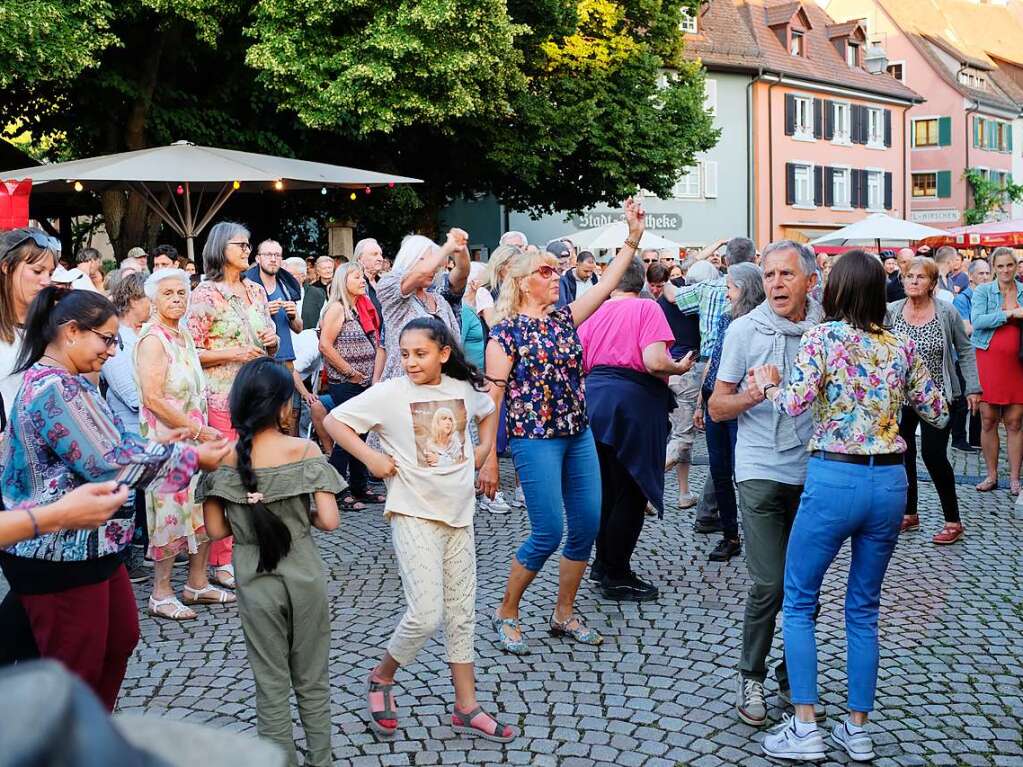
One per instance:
[(635, 217)]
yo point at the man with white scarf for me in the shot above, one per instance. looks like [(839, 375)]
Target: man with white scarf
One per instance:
[(770, 453)]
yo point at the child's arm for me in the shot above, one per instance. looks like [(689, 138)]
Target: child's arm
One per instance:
[(326, 516), (488, 434), (379, 464), (217, 525)]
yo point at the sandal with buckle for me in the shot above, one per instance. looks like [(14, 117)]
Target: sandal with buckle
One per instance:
[(223, 575), (950, 533), (580, 632), (207, 595), (350, 503), (475, 723), (371, 496), (384, 719), (177, 611), (505, 642)]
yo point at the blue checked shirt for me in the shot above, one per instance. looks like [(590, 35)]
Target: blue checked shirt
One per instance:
[(710, 299)]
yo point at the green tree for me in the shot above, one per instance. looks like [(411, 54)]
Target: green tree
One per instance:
[(988, 196)]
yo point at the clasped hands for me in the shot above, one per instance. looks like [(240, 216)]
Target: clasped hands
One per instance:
[(760, 378)]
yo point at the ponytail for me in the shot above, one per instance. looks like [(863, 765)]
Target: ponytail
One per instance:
[(56, 306), (457, 366), (261, 389)]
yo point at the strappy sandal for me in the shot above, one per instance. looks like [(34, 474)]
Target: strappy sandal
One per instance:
[(350, 503), (466, 724), (987, 485), (580, 633), (178, 612), (207, 595), (372, 497), (505, 642), (384, 721), (223, 575)]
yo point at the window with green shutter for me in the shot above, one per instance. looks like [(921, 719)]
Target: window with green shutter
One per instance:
[(944, 131), (944, 183), (978, 125)]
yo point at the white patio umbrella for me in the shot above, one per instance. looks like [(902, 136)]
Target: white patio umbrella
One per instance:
[(211, 171), (878, 229), (613, 236)]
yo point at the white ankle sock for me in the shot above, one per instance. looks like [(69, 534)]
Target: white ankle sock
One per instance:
[(853, 728), (805, 728)]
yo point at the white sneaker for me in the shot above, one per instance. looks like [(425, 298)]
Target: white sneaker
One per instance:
[(519, 500), (497, 505), (783, 742), (858, 744)]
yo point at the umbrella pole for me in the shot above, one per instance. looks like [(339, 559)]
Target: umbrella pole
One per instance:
[(189, 231)]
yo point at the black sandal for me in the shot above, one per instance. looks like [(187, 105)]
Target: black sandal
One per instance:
[(371, 497), (388, 713), (351, 503)]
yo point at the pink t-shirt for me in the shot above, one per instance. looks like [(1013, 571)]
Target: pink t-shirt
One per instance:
[(618, 332)]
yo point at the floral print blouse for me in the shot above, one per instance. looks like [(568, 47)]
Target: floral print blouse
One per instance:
[(545, 395), (218, 319), (61, 435), (858, 383)]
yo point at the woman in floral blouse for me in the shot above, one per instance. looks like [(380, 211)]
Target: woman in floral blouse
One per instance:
[(62, 435), (857, 377), (535, 358), (229, 319)]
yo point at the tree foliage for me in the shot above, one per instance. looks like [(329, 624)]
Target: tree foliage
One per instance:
[(988, 196)]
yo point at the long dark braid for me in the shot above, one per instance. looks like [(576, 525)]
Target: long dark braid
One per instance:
[(457, 366), (258, 394)]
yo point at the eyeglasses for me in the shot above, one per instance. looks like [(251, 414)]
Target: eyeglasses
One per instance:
[(272, 256), (246, 247), (41, 239), (546, 271), (649, 260), (110, 341)]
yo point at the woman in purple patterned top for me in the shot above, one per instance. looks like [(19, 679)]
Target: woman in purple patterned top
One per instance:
[(535, 359), (61, 435)]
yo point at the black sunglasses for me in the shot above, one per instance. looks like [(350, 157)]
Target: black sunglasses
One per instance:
[(40, 238)]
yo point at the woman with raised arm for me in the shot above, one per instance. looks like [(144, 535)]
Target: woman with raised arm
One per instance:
[(535, 359)]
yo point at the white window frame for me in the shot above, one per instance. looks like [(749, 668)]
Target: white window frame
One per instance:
[(806, 202), (800, 131), (912, 134), (843, 137), (797, 43), (901, 64), (845, 171), (877, 175), (919, 173), (688, 24), (690, 185), (852, 57), (875, 141)]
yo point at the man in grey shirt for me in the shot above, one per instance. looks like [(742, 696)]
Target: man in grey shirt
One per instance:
[(770, 453)]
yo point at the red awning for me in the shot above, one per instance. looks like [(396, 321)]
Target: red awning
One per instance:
[(989, 235)]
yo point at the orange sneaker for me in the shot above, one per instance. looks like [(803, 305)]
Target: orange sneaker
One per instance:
[(950, 533)]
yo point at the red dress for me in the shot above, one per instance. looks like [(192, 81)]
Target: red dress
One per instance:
[(1001, 372)]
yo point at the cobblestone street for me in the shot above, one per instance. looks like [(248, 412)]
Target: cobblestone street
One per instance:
[(660, 691)]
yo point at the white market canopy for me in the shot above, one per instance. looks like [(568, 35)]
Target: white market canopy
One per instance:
[(210, 171), (879, 229), (613, 235)]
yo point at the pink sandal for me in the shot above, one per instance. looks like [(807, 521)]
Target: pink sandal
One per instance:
[(383, 715), (481, 725)]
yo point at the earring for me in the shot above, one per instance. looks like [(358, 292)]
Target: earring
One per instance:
[(70, 342)]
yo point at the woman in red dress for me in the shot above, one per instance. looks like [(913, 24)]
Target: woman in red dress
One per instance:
[(996, 315)]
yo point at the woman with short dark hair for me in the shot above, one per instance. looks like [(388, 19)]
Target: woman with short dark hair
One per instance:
[(857, 376)]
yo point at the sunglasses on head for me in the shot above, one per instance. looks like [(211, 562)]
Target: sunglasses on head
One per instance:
[(545, 270), (40, 238)]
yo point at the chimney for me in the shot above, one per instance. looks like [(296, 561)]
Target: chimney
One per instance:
[(875, 60)]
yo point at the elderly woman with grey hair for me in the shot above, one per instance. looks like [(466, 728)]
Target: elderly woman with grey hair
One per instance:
[(229, 319), (173, 393), (627, 361)]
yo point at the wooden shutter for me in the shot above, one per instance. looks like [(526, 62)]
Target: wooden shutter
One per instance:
[(710, 178), (829, 187), (887, 191), (790, 114), (944, 184), (790, 183), (1008, 138), (859, 189), (976, 131), (887, 127), (818, 185), (944, 131), (858, 124), (818, 119), (829, 119)]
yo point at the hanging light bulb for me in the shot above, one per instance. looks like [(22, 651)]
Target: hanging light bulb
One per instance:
[(180, 189), (236, 185), (352, 196), (391, 185), (323, 190), (78, 186), (278, 185), (367, 190)]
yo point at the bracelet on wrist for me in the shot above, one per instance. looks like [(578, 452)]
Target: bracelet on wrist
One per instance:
[(35, 523), (634, 244)]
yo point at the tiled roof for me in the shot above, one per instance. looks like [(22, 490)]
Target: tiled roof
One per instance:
[(844, 29), (737, 34), (955, 53)]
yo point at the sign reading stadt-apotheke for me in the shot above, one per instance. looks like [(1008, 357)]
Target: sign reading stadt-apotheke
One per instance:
[(595, 218)]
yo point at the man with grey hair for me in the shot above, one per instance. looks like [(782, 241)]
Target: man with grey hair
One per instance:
[(770, 453), (316, 292), (950, 265), (370, 257), (516, 239)]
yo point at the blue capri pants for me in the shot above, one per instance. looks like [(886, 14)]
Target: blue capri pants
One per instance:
[(561, 482)]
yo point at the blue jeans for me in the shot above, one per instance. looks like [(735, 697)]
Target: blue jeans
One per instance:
[(840, 501), (347, 465), (721, 451), (561, 481)]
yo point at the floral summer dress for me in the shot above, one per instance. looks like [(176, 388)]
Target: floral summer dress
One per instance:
[(175, 520)]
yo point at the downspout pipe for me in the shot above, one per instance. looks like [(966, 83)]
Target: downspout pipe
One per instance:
[(770, 156), (751, 214)]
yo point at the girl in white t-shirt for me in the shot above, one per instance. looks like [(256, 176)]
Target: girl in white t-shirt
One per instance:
[(422, 421)]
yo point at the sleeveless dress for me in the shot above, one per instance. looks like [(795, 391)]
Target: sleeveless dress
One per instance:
[(175, 520)]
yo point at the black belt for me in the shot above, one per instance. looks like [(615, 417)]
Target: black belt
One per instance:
[(884, 459)]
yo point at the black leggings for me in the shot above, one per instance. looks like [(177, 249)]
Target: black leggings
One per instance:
[(622, 509), (934, 446)]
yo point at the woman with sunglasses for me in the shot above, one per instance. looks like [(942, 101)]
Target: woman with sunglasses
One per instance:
[(61, 435), (229, 320), (534, 357)]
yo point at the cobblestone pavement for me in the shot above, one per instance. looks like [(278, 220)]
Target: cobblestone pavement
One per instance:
[(660, 690)]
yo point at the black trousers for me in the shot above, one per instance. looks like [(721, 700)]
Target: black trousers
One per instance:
[(622, 510), (934, 447)]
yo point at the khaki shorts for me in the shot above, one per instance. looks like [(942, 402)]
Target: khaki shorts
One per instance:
[(683, 433)]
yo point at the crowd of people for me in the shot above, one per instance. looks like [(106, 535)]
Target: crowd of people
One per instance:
[(153, 416)]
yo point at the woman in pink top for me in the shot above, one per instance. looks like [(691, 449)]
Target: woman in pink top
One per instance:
[(627, 364)]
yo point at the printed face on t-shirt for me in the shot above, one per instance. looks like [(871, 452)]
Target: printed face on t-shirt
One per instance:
[(439, 427)]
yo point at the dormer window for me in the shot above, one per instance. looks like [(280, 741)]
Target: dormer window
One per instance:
[(852, 54), (688, 24), (797, 44)]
